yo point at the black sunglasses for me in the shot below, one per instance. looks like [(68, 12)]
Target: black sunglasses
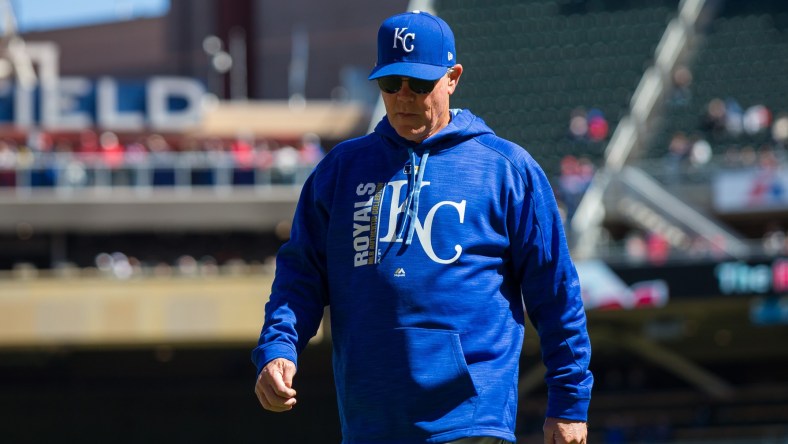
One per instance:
[(392, 85)]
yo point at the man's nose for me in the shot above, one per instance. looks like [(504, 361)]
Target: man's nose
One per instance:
[(405, 92)]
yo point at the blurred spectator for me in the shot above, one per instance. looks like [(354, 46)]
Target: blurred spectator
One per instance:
[(243, 153), (74, 174), (136, 266), (157, 143), (162, 160), (658, 248), (635, 247), (243, 159), (576, 176), (682, 81), (136, 153), (734, 117), (88, 143), (264, 157), (187, 266), (713, 122), (208, 266), (137, 159), (774, 239), (700, 153), (38, 140), (87, 151), (64, 146), (578, 124), (286, 163), (25, 158), (113, 157), (767, 187), (780, 130), (121, 267), (43, 172), (586, 171), (678, 151), (7, 164), (756, 118), (112, 152), (311, 150), (597, 125), (71, 169), (115, 265), (217, 159), (588, 126), (194, 155), (162, 269)]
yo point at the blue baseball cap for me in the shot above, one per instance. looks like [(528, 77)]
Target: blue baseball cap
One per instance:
[(414, 44)]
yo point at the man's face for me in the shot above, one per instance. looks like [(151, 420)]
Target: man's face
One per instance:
[(418, 116)]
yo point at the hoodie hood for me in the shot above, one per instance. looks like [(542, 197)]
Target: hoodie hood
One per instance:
[(464, 125)]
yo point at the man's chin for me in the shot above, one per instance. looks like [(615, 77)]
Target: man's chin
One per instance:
[(412, 134)]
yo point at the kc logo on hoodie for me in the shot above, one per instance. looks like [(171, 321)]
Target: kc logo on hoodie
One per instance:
[(366, 218)]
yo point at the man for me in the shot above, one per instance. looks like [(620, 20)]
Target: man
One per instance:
[(426, 238)]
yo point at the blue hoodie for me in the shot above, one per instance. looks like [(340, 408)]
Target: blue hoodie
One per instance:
[(427, 271)]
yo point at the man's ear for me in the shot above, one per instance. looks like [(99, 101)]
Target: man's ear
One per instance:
[(454, 77)]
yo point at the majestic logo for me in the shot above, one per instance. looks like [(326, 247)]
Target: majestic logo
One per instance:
[(366, 221), (399, 272), (399, 34)]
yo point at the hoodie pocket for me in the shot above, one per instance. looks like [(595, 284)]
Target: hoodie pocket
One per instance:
[(408, 382)]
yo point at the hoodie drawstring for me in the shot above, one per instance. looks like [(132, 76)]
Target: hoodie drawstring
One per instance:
[(411, 205)]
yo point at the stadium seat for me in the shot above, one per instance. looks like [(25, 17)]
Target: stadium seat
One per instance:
[(743, 57), (541, 56)]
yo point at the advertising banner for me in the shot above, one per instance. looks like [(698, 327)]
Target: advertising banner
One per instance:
[(751, 190), (713, 279)]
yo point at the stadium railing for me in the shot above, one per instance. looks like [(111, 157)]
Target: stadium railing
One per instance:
[(67, 172)]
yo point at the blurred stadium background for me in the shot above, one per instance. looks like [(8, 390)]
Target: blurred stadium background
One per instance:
[(149, 168)]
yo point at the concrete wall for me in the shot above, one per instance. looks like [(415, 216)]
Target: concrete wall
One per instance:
[(103, 311)]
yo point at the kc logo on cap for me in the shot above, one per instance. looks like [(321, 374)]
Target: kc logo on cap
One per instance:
[(414, 44), (398, 36)]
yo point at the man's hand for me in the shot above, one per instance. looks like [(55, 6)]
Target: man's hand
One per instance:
[(564, 431), (274, 385)]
